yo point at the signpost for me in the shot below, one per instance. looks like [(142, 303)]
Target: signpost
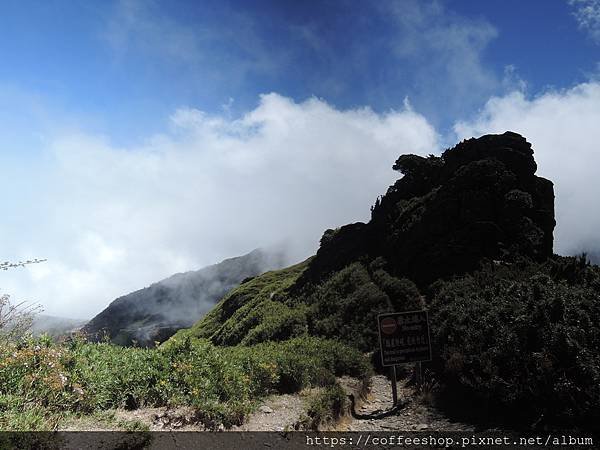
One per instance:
[(403, 338)]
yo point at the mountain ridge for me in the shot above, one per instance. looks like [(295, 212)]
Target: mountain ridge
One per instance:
[(154, 313)]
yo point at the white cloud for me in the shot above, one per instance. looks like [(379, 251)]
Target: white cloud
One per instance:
[(563, 129), (587, 14), (111, 220)]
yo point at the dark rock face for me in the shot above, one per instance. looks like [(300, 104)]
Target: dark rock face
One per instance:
[(155, 313), (480, 199)]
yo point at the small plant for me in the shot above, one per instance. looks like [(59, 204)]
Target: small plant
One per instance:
[(428, 387), (325, 408), (15, 318)]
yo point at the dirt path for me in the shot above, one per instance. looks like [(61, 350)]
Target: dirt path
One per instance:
[(376, 412), (276, 413)]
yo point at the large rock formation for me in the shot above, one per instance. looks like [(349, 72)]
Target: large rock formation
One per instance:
[(480, 199), (155, 313)]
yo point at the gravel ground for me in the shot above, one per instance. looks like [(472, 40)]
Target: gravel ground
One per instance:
[(376, 412)]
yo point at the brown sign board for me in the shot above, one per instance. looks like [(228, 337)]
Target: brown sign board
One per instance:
[(404, 337)]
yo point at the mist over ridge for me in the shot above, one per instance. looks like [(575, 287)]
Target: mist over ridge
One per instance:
[(154, 313)]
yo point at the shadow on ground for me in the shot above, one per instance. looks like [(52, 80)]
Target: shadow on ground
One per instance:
[(378, 414)]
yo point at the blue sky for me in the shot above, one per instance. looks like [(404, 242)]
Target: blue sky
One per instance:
[(102, 63), (134, 125)]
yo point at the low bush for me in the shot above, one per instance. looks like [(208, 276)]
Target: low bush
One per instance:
[(222, 383), (325, 407), (524, 343)]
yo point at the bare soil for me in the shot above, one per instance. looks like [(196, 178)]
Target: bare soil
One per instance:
[(276, 413)]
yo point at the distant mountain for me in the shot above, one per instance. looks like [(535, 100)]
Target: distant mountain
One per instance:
[(155, 313), (55, 326)]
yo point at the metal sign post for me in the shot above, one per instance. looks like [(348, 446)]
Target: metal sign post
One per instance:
[(394, 386), (404, 338)]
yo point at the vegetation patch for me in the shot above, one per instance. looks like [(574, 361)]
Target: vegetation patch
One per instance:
[(51, 381), (343, 307), (325, 407), (523, 338)]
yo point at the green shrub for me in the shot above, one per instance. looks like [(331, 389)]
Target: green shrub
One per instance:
[(346, 305), (34, 374), (31, 419), (326, 407), (278, 322), (226, 323), (521, 342), (118, 377)]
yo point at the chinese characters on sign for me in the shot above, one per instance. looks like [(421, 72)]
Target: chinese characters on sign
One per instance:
[(404, 337)]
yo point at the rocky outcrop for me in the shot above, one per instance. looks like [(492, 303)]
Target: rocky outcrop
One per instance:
[(479, 199)]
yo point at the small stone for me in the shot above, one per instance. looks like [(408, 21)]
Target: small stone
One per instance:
[(265, 409), (422, 426)]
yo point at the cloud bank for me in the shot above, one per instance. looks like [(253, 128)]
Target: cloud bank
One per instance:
[(111, 220)]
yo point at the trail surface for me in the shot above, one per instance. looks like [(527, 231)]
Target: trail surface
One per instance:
[(376, 413)]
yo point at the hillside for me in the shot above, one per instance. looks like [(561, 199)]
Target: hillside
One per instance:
[(154, 313), (469, 236)]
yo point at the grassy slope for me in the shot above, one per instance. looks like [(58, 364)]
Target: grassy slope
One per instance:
[(244, 305), (344, 307)]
